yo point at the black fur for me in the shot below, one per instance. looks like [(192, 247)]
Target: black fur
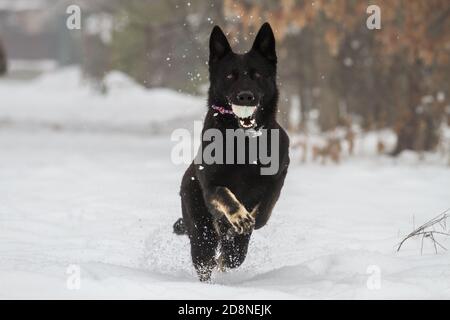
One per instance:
[(179, 228), (209, 230)]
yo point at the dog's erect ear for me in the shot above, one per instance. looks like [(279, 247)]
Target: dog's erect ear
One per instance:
[(218, 44), (265, 43)]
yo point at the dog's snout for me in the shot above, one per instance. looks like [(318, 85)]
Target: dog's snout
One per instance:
[(245, 96)]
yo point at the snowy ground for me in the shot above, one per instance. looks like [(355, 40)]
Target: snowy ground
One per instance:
[(105, 200)]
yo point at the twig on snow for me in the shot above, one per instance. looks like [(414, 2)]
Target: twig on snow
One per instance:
[(427, 230)]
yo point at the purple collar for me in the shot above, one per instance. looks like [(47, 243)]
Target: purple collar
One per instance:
[(221, 110)]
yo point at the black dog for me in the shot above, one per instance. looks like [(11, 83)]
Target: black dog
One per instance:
[(223, 203)]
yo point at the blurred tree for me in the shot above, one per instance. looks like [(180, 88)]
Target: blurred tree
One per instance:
[(3, 62), (164, 43), (328, 59), (334, 60)]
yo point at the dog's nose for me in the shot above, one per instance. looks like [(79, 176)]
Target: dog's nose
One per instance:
[(245, 96)]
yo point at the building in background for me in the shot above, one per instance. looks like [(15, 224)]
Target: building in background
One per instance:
[(36, 37)]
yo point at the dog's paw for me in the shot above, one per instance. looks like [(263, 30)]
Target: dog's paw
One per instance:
[(242, 221)]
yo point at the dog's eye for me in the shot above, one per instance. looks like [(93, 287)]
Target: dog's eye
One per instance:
[(230, 76)]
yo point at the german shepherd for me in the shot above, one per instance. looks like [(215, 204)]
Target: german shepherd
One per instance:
[(223, 203)]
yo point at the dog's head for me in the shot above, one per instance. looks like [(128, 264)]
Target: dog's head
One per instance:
[(244, 83)]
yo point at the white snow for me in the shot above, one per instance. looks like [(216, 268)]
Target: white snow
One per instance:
[(105, 200), (62, 100)]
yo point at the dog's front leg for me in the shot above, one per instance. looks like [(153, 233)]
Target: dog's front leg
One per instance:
[(222, 202), (263, 210)]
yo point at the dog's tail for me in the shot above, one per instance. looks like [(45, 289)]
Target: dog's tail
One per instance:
[(179, 228)]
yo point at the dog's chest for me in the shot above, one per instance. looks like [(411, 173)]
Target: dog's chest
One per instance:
[(246, 183)]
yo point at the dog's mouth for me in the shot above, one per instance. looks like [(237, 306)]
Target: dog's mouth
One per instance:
[(245, 115)]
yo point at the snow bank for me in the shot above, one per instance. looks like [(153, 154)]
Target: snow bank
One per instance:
[(107, 202), (62, 100)]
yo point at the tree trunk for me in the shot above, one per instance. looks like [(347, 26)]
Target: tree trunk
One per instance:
[(2, 60), (416, 128)]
